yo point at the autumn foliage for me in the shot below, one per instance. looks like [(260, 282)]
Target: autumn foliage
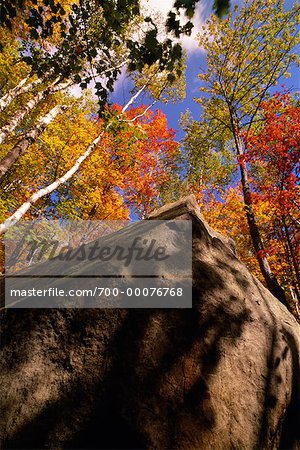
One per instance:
[(273, 151), (273, 160), (124, 174)]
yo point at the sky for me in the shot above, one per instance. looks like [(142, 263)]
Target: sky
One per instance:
[(195, 59)]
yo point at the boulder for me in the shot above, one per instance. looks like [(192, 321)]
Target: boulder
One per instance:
[(224, 374)]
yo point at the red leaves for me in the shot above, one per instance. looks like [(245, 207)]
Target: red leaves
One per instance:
[(143, 156), (273, 165), (242, 159), (261, 254), (78, 50), (275, 149)]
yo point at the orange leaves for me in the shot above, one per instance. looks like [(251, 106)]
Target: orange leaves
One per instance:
[(273, 163), (132, 162), (262, 254), (275, 148), (127, 170), (144, 154)]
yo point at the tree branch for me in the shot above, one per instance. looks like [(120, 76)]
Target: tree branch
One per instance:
[(21, 211)]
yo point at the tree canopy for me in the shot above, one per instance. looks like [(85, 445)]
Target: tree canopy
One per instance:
[(247, 54)]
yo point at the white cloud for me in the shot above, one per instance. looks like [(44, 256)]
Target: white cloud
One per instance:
[(76, 91), (159, 9), (162, 7), (190, 43)]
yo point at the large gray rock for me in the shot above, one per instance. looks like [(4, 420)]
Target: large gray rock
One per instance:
[(223, 375)]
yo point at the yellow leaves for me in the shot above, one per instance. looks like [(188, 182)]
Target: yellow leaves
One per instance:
[(132, 162), (12, 69), (287, 75), (137, 159), (158, 82), (225, 212), (251, 50)]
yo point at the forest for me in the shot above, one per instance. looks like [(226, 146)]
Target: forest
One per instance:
[(73, 148)]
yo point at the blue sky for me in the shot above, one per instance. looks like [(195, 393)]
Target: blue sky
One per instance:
[(195, 59)]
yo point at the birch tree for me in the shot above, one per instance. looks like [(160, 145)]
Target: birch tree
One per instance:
[(16, 120), (92, 43), (18, 90), (246, 56), (22, 145), (40, 193)]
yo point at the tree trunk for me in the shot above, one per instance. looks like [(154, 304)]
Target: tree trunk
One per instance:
[(292, 254), (13, 155), (20, 89), (258, 245), (19, 213), (7, 129)]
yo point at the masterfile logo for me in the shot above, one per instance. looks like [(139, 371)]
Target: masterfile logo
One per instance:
[(99, 264)]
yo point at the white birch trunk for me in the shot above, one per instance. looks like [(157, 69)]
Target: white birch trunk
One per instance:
[(14, 154), (20, 89), (7, 129), (20, 212)]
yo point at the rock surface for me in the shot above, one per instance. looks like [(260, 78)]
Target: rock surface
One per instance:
[(222, 375)]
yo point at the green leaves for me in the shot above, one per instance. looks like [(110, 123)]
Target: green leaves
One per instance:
[(211, 164), (86, 38), (248, 54), (221, 7)]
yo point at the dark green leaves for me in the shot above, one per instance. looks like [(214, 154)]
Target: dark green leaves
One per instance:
[(86, 40), (221, 7)]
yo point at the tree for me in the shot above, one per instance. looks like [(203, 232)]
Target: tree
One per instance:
[(225, 213), (31, 136), (101, 34), (273, 151), (93, 39), (85, 37), (246, 56), (31, 104), (89, 41), (128, 171), (131, 158), (64, 43)]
